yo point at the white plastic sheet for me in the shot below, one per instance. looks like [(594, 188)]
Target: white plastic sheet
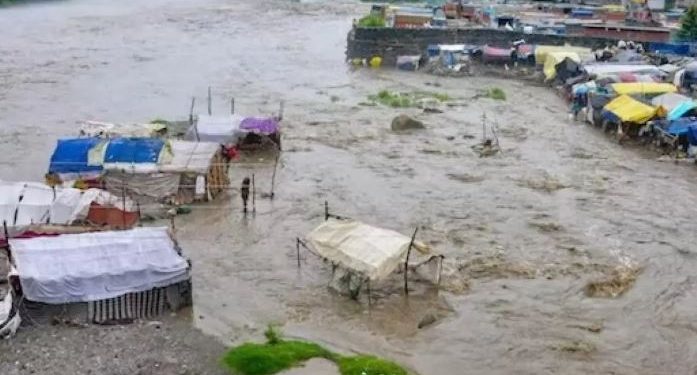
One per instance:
[(371, 251), (217, 129), (93, 266)]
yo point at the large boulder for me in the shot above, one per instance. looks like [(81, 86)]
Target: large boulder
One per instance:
[(404, 122)]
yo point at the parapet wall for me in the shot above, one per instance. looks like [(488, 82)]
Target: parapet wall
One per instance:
[(389, 43)]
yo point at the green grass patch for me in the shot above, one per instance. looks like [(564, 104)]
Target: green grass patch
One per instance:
[(372, 20), (496, 94), (368, 365), (267, 359), (405, 100), (277, 355)]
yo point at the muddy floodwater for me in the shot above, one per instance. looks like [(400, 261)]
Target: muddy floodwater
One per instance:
[(525, 230)]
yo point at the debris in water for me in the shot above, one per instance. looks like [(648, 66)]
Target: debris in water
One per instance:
[(545, 183), (621, 279), (593, 327), (580, 347), (427, 320), (404, 122), (547, 227), (465, 177), (486, 148)]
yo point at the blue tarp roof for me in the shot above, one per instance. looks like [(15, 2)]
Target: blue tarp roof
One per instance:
[(681, 126), (681, 109), (133, 150), (70, 156)]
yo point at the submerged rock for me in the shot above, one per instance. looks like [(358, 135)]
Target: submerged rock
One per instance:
[(404, 122)]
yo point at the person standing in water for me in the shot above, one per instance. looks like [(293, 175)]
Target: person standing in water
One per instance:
[(244, 191)]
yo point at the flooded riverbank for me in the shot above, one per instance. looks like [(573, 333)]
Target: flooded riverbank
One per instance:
[(561, 206)]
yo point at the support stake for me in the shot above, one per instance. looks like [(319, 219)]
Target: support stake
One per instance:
[(191, 111), (232, 106), (273, 176), (406, 262), (254, 195), (297, 249), (210, 103), (326, 210)]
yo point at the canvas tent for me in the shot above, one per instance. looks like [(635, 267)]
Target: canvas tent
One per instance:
[(542, 51), (95, 266), (369, 251), (496, 55), (626, 109)]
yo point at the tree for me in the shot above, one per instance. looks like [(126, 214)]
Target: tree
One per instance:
[(688, 27)]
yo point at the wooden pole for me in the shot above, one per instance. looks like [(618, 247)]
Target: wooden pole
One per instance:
[(406, 262), (123, 204), (483, 127), (281, 109), (368, 287), (297, 249), (140, 223), (232, 106), (7, 239), (210, 103), (191, 111), (273, 176), (326, 210), (254, 195)]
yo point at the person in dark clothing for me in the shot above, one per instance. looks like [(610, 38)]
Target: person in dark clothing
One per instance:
[(244, 191)]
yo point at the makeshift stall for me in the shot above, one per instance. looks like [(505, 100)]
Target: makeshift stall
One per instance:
[(240, 131), (625, 111), (364, 254), (103, 276)]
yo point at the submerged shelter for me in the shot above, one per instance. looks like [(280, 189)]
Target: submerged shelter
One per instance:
[(364, 253)]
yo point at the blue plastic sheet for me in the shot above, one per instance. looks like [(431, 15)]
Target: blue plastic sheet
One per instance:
[(133, 150), (70, 156)]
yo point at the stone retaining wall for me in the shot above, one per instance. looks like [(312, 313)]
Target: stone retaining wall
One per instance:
[(389, 43)]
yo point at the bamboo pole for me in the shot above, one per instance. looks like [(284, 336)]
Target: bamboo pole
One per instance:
[(297, 249), (191, 111), (254, 195), (232, 106), (406, 262), (326, 210), (210, 102), (273, 176)]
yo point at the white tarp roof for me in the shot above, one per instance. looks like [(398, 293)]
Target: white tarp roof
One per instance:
[(190, 156), (100, 265), (618, 68), (371, 251), (669, 100), (39, 205), (218, 129)]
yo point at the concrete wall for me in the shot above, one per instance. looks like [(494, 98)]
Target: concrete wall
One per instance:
[(390, 43)]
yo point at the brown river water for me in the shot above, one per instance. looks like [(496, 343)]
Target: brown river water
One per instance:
[(560, 206)]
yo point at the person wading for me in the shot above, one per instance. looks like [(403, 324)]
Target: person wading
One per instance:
[(244, 191)]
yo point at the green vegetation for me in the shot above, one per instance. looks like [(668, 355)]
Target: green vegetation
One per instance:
[(277, 355), (688, 26), (366, 364), (496, 94), (405, 100), (372, 20)]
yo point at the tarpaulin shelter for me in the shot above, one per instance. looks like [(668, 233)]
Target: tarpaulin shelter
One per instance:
[(97, 265), (625, 109), (133, 151), (496, 55), (541, 52), (675, 104), (70, 158), (233, 129), (408, 62), (643, 88), (566, 63), (191, 171), (604, 69), (372, 252), (24, 205), (112, 130)]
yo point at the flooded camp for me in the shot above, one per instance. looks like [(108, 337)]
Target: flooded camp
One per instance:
[(496, 173)]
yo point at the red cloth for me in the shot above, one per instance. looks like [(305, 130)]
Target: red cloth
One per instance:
[(231, 152)]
